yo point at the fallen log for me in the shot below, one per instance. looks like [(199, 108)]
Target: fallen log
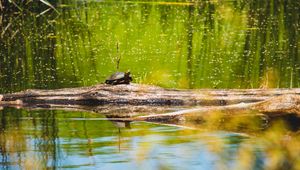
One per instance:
[(146, 99), (135, 94), (275, 106)]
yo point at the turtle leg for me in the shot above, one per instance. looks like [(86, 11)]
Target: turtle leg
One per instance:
[(125, 81), (121, 81), (108, 82), (114, 82)]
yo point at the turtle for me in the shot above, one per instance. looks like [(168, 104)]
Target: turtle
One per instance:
[(119, 78)]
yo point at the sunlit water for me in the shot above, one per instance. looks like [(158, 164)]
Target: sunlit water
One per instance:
[(201, 44), (60, 139), (208, 44)]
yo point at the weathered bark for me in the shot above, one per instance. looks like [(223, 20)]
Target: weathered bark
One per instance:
[(135, 94), (278, 105), (275, 106), (113, 101)]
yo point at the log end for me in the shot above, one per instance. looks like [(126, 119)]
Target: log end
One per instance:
[(280, 105)]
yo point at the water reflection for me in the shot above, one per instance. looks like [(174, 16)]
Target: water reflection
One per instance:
[(27, 55), (232, 44), (54, 139), (64, 139)]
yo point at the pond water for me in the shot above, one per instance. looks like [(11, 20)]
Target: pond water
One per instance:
[(173, 44), (182, 44), (66, 140), (56, 139)]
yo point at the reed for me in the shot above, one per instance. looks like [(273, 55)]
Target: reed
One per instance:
[(197, 45)]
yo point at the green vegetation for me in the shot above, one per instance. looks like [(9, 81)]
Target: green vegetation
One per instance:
[(202, 44), (178, 44)]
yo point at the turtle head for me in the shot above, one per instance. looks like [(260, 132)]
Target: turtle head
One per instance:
[(127, 76)]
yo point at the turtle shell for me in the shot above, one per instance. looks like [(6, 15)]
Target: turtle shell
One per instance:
[(119, 78), (116, 76)]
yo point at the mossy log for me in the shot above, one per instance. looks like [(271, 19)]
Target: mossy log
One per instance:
[(146, 99)]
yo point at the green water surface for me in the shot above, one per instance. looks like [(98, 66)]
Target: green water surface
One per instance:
[(179, 44)]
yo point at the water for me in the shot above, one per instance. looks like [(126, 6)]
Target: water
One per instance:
[(55, 139), (208, 44), (173, 44), (66, 140)]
